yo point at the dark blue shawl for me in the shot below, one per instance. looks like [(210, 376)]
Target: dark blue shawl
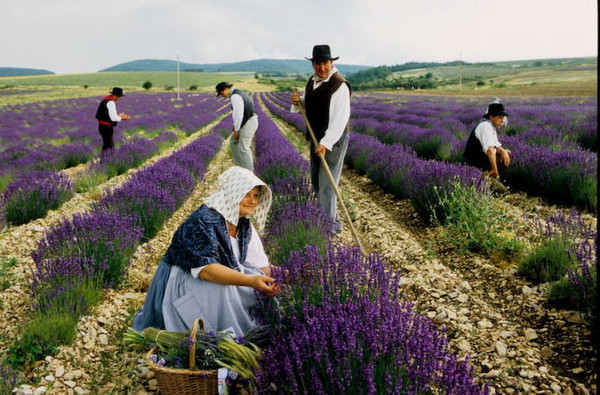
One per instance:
[(201, 240)]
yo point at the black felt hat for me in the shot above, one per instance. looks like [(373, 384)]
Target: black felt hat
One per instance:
[(117, 91), (321, 53), (221, 86), (495, 109)]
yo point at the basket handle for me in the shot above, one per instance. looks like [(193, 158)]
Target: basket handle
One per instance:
[(197, 323)]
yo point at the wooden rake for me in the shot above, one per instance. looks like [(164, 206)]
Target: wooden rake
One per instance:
[(332, 181)]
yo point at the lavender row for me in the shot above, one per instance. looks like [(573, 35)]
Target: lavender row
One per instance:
[(32, 195), (564, 122), (339, 325), (397, 169), (547, 161), (59, 134)]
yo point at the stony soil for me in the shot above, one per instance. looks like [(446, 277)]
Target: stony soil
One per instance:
[(517, 344)]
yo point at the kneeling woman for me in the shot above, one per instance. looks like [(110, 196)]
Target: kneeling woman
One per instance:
[(215, 262)]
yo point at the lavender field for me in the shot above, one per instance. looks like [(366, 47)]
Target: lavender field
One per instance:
[(445, 302)]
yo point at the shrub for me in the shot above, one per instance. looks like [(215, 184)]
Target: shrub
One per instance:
[(33, 195), (576, 289), (294, 225), (473, 220), (8, 379), (42, 336), (343, 330), (579, 289), (127, 156), (548, 262), (91, 178), (100, 238), (67, 285), (75, 154), (151, 195)]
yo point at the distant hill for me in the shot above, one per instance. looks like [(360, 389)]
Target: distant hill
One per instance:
[(270, 66), (19, 71), (428, 75)]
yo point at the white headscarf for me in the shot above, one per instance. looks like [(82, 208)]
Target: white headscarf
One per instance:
[(234, 184)]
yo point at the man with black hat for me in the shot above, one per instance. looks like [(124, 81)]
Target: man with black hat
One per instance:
[(327, 103), (483, 150), (108, 118), (245, 123)]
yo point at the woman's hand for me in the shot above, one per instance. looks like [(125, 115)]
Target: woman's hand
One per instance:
[(265, 284), (224, 275)]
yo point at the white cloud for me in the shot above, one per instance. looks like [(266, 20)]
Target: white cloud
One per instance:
[(85, 36)]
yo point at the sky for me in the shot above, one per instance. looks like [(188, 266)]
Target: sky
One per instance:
[(82, 36)]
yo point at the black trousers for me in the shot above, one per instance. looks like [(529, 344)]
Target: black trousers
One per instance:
[(106, 131)]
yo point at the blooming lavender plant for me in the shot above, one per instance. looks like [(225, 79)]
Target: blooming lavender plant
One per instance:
[(128, 156), (344, 331), (101, 239), (8, 379), (33, 195), (567, 177), (577, 240), (295, 225)]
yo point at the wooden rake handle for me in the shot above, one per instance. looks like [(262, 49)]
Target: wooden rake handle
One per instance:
[(332, 181)]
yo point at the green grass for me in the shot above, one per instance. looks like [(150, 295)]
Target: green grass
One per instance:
[(548, 262), (5, 273), (129, 80)]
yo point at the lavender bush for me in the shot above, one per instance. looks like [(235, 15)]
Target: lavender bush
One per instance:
[(8, 379), (565, 177), (101, 240), (342, 330), (567, 238), (292, 228), (473, 220), (33, 195), (129, 155)]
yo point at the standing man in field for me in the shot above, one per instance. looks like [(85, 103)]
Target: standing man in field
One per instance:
[(327, 103), (108, 117), (483, 150), (245, 123)]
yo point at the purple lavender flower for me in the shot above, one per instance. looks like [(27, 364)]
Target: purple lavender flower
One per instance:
[(33, 195), (345, 329)]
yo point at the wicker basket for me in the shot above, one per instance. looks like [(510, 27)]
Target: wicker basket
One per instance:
[(185, 381)]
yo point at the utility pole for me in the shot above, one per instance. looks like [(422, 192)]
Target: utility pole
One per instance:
[(460, 71), (178, 85)]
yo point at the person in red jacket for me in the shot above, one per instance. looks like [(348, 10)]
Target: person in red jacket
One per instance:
[(108, 117)]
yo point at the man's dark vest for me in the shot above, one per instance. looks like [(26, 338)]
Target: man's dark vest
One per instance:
[(317, 103), (248, 105), (102, 112), (473, 153)]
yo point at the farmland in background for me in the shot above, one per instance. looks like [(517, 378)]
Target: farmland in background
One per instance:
[(129, 80)]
